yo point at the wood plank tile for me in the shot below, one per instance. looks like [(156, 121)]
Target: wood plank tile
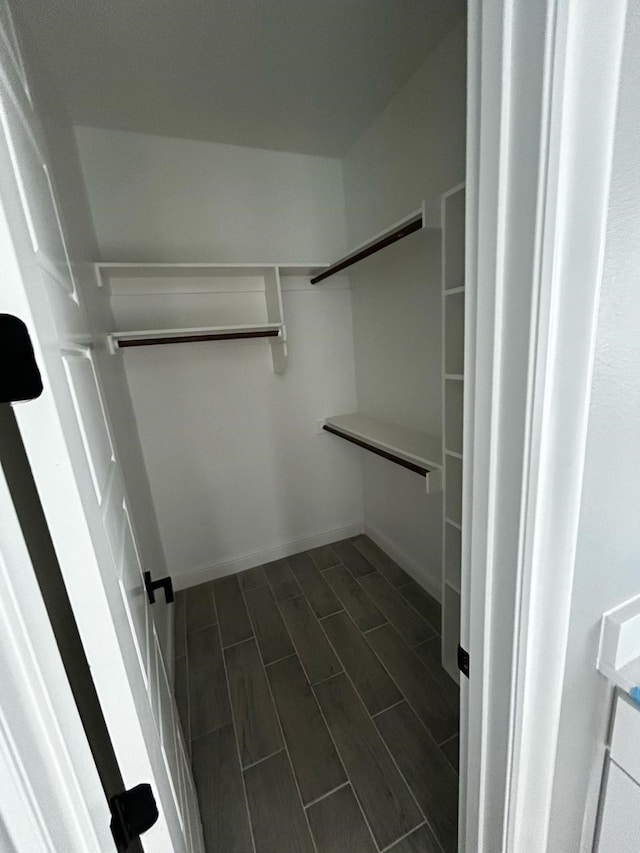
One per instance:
[(385, 799), (349, 556), (255, 717), (317, 591), (181, 690), (281, 580), (233, 618), (418, 685), (387, 567), (403, 617), (278, 820), (425, 604), (313, 755), (273, 638), (369, 677), (420, 841), (209, 706), (355, 600), (315, 653), (200, 611), (338, 826), (180, 625), (218, 779), (425, 768), (431, 656), (323, 557), (252, 578), (451, 749)]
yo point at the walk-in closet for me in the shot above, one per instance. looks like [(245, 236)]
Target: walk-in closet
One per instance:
[(263, 207)]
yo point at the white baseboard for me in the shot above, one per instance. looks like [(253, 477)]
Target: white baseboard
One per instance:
[(193, 577), (412, 566)]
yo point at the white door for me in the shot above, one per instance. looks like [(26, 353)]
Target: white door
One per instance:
[(52, 799), (66, 436)]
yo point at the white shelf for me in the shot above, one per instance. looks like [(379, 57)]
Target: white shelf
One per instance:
[(410, 448), (457, 377), (105, 269), (157, 303), (453, 453), (151, 334), (424, 218), (453, 291)]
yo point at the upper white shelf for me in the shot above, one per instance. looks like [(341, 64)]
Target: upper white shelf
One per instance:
[(173, 303), (409, 448), (106, 269), (425, 217)]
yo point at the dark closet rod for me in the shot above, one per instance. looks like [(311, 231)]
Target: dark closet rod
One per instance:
[(187, 339), (411, 466), (387, 239)]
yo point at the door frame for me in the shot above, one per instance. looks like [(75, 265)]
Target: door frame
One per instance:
[(543, 80)]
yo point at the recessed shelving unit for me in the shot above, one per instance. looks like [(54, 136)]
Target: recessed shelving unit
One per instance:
[(415, 221), (453, 295), (416, 451), (183, 303)]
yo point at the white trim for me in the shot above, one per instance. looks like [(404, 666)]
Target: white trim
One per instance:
[(413, 567), (543, 81), (182, 579)]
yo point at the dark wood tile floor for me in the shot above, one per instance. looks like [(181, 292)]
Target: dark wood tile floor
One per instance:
[(318, 715)]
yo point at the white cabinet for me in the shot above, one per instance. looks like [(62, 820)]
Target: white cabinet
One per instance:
[(620, 827), (620, 804)]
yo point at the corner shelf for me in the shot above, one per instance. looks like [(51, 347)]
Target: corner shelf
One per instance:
[(170, 303), (411, 449), (416, 221)]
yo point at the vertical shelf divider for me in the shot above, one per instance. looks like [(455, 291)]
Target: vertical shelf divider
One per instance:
[(452, 212)]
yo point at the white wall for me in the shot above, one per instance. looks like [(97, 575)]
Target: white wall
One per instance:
[(414, 150), (238, 473), (608, 556)]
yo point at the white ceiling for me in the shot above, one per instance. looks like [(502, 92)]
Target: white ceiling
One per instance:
[(293, 75)]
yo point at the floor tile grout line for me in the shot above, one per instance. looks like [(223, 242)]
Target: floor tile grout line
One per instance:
[(342, 762), (402, 693), (277, 712), (274, 662), (375, 627), (329, 615), (415, 609), (395, 705), (322, 797), (264, 758), (384, 743), (422, 722), (253, 625), (286, 749), (240, 642), (419, 615), (198, 630), (298, 655), (235, 730), (447, 739), (364, 592), (390, 847)]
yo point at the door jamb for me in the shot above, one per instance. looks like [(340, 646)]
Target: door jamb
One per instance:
[(543, 79)]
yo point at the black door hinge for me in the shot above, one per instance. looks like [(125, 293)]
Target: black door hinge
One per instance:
[(19, 376), (132, 813), (463, 661), (164, 584)]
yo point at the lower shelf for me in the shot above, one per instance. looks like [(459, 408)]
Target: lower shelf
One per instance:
[(413, 450)]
